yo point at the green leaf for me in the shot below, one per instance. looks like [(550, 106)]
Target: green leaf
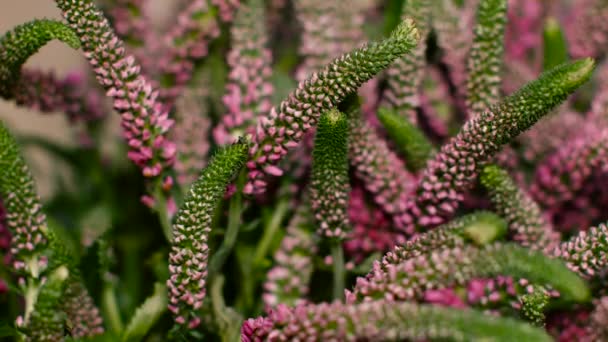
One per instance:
[(147, 314), (409, 140)]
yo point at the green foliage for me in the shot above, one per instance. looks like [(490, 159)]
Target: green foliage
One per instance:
[(147, 314), (17, 45), (409, 140)]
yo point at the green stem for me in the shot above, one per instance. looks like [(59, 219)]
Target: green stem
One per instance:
[(232, 232), (338, 261), (270, 231), (228, 324), (163, 216), (109, 306)]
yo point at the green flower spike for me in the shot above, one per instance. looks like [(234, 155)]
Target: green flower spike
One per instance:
[(35, 248), (481, 228), (285, 126), (190, 252), (386, 320), (404, 76), (526, 222), (485, 57), (454, 169), (330, 184), (288, 282), (410, 279), (23, 41)]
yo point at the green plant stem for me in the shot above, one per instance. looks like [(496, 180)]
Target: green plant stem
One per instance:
[(338, 262), (232, 231), (270, 231), (228, 323), (161, 210), (110, 309)]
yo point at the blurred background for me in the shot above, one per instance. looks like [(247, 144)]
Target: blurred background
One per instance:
[(62, 59)]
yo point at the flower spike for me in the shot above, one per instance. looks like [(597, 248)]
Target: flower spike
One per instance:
[(382, 172), (404, 76), (329, 29), (485, 57), (598, 328), (587, 252), (455, 168), (480, 227), (191, 134), (410, 279), (25, 217), (330, 185), (34, 247), (144, 121), (189, 251), (45, 92), (563, 173), (285, 126), (187, 42), (555, 51), (525, 218), (249, 88), (454, 36), (288, 281), (23, 41), (384, 321)]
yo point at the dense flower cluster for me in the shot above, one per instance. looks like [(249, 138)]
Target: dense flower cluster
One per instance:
[(445, 181)]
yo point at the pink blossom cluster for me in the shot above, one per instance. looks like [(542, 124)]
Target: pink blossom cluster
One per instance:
[(132, 23), (46, 92), (184, 44), (144, 120), (190, 134), (383, 173), (249, 89), (371, 228), (524, 32), (288, 281)]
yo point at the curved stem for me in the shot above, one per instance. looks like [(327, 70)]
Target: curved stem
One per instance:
[(163, 216), (232, 231), (270, 231), (338, 261)]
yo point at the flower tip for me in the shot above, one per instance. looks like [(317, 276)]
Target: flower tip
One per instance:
[(580, 71), (407, 30)]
